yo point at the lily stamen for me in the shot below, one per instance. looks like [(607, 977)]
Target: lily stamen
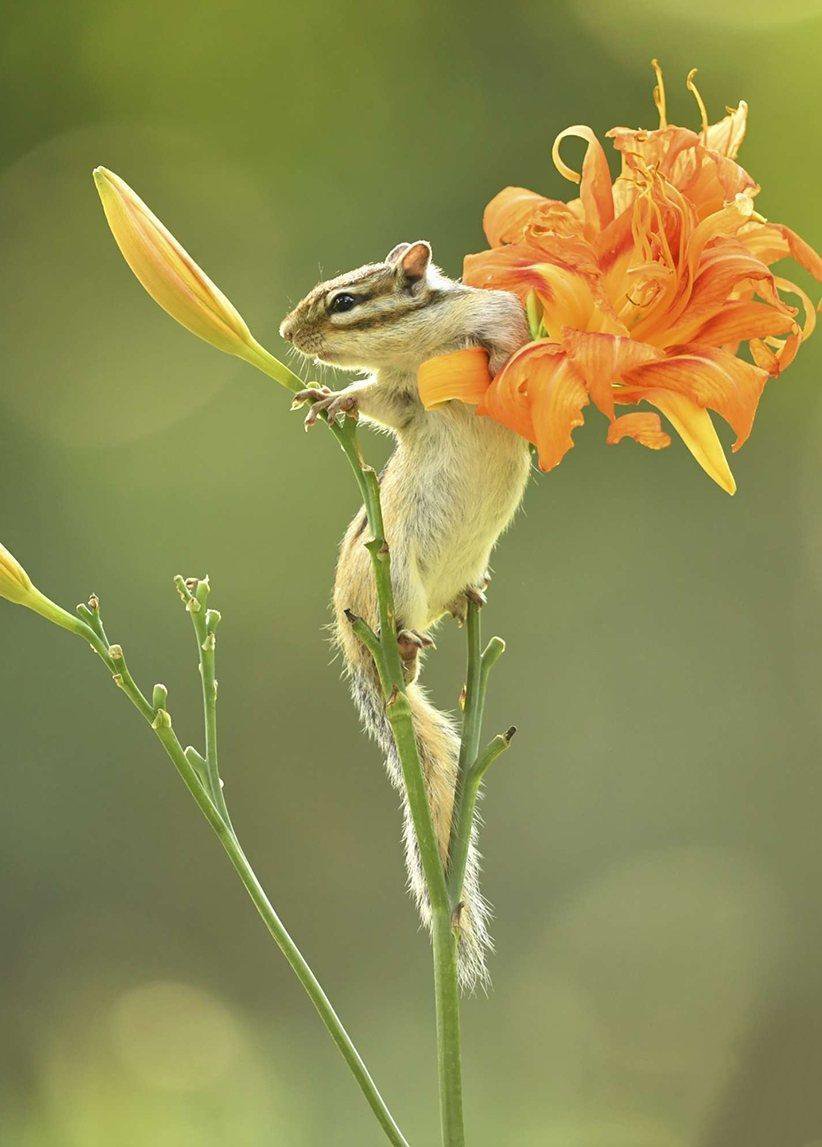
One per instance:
[(659, 93), (694, 90)]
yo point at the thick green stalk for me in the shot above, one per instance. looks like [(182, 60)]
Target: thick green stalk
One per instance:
[(398, 709), (449, 1038)]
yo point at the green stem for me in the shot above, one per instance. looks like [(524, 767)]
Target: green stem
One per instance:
[(449, 1039), (281, 936), (389, 667), (90, 628), (464, 815), (204, 622), (469, 743), (476, 688), (398, 709), (259, 357)]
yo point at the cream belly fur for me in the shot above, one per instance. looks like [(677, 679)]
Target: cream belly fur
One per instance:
[(447, 542)]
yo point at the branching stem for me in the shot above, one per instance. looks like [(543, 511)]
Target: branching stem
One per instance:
[(468, 779), (201, 778)]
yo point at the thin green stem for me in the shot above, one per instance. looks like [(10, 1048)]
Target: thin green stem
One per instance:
[(204, 622), (464, 815), (469, 744), (281, 936), (476, 688), (89, 626), (472, 713), (370, 640)]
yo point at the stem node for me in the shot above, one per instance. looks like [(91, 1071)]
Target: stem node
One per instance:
[(162, 720)]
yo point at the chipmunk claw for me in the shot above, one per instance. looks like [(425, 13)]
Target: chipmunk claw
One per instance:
[(307, 394), (472, 593), (333, 403), (476, 595), (411, 642)]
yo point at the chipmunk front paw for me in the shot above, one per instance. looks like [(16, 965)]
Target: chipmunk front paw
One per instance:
[(334, 403)]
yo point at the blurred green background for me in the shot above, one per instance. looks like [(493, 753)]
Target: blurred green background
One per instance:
[(652, 841)]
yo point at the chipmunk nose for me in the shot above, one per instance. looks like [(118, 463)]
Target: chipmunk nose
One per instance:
[(287, 328)]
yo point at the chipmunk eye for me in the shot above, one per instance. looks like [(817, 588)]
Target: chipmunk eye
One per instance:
[(341, 303)]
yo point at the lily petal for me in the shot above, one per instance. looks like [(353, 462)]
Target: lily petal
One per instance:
[(556, 395), (603, 359), (712, 377), (727, 134), (462, 374), (515, 212), (739, 322), (641, 425), (506, 399), (693, 425), (595, 179), (773, 241), (15, 583)]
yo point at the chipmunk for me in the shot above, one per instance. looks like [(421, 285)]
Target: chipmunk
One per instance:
[(450, 488)]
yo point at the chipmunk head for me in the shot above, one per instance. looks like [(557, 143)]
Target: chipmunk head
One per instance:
[(383, 314)]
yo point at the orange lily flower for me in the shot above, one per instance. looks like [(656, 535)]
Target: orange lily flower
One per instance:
[(641, 290)]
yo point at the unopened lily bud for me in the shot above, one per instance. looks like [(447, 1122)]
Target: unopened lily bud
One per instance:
[(174, 280), (166, 270), (16, 586), (15, 583)]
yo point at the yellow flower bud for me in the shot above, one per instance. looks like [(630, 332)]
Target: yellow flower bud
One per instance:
[(166, 270), (15, 583), (174, 280), (16, 586)]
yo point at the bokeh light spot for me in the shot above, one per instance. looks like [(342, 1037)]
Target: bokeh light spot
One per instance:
[(175, 1036)]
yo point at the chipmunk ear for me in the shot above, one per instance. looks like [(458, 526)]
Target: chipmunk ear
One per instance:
[(395, 252), (413, 263)]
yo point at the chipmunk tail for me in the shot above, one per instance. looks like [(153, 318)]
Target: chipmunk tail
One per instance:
[(438, 743)]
